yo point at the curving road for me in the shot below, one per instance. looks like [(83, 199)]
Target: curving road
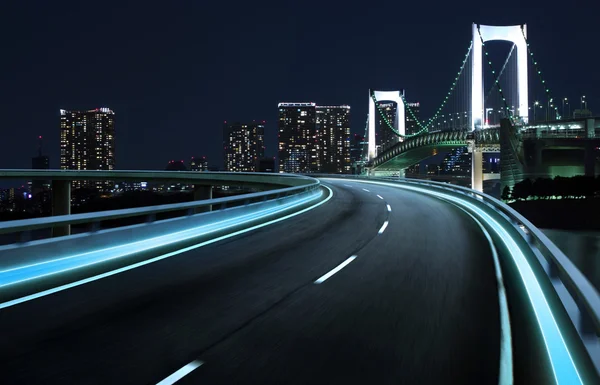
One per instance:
[(286, 304)]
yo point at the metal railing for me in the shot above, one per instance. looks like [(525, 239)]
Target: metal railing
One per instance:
[(24, 225), (580, 299), (38, 267)]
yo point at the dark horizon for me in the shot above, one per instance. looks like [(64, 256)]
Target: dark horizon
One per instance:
[(174, 73)]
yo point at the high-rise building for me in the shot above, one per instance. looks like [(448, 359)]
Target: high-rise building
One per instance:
[(357, 148), (456, 162), (198, 163), (333, 139), (243, 145), (298, 144), (87, 142), (412, 128), (387, 138), (411, 124), (358, 152)]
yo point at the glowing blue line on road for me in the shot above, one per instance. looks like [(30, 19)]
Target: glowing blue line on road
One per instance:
[(563, 366), (62, 265), (506, 357), (161, 257)]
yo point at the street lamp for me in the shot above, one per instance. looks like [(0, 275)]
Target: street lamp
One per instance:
[(583, 102), (535, 105), (487, 111), (565, 100), (548, 116)]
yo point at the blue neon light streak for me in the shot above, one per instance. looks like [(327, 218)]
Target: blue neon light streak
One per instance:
[(60, 265), (159, 258), (563, 366)]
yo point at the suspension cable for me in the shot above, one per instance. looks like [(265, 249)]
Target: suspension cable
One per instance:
[(539, 72), (508, 110), (500, 74), (423, 128)]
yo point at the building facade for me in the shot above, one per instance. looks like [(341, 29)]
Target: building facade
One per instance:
[(297, 138), (87, 142), (411, 124), (243, 146), (314, 138), (456, 162), (387, 138), (333, 139), (198, 163)]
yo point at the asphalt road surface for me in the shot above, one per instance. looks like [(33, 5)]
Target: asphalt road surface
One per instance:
[(417, 304)]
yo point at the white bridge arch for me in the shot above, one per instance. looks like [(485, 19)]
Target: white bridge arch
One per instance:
[(399, 123), (513, 34)]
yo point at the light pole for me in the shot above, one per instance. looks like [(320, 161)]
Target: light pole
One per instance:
[(563, 110), (535, 105), (487, 111), (582, 101)]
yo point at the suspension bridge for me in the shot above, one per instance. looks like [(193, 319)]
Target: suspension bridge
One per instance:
[(485, 111)]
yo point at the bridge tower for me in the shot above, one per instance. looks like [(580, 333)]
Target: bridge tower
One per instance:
[(400, 123), (513, 34)]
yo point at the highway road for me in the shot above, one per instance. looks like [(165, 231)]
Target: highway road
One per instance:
[(378, 286)]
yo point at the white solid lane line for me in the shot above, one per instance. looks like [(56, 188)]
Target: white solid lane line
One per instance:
[(332, 272), (178, 375), (382, 229), (379, 196), (389, 208), (366, 190), (347, 185)]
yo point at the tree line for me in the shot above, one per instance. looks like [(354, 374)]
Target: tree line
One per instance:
[(576, 187)]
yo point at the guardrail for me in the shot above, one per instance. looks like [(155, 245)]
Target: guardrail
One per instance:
[(578, 297), (189, 177), (24, 225), (33, 269)]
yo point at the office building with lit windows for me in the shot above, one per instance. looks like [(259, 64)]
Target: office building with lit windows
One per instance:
[(456, 162), (411, 124), (298, 144), (333, 139), (412, 128), (87, 142), (387, 138), (243, 146)]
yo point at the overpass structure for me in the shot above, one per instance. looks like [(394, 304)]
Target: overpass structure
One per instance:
[(521, 149), (292, 284)]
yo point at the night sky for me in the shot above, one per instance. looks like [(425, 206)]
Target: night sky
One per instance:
[(173, 71)]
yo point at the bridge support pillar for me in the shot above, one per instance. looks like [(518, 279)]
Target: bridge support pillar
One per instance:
[(202, 192), (477, 170), (61, 205)]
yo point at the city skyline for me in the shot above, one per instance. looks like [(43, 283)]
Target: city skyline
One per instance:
[(159, 87)]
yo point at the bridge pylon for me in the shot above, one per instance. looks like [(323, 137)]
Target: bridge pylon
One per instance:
[(400, 123), (515, 34)]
